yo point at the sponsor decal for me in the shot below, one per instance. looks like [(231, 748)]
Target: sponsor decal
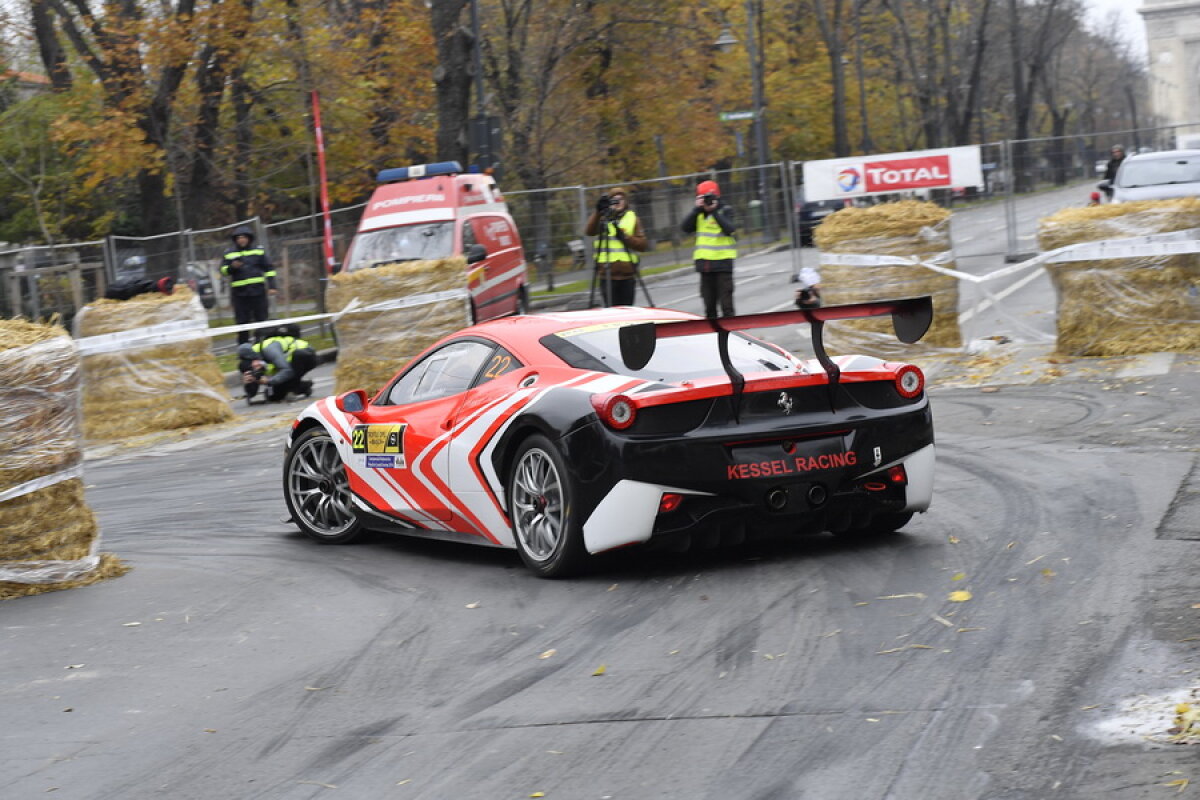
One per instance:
[(848, 179), (412, 198), (381, 462), (790, 466), (379, 440), (878, 456), (907, 173)]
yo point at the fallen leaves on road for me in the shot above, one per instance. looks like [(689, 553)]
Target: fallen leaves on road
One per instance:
[(600, 670), (961, 596), (548, 653)]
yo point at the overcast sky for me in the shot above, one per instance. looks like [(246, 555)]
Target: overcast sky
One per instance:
[(1134, 28)]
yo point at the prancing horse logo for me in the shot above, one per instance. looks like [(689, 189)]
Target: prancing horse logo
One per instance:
[(785, 403)]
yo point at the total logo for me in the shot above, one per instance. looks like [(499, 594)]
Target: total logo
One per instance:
[(848, 179), (908, 173)]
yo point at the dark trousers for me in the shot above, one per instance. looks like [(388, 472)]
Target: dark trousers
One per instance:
[(247, 309), (618, 292), (717, 287)]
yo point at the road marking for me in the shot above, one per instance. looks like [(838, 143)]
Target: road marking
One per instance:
[(1146, 365), (970, 312)]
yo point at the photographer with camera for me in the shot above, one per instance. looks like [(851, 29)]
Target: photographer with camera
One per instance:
[(251, 280), (278, 363), (619, 238), (809, 293), (716, 248)]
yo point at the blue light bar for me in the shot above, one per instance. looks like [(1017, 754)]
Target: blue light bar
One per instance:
[(418, 171)]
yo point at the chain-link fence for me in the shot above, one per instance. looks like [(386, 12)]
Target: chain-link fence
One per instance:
[(40, 282)]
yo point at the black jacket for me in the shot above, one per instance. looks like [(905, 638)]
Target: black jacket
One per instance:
[(249, 270)]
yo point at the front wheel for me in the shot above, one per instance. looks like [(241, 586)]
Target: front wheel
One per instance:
[(317, 490), (544, 518)]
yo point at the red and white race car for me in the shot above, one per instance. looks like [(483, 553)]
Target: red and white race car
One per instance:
[(569, 434)]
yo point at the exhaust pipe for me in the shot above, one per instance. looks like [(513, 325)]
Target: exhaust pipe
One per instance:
[(777, 499), (817, 495)]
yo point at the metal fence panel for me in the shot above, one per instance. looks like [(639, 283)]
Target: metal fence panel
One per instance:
[(48, 282)]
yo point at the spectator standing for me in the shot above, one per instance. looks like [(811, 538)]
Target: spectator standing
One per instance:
[(251, 280), (1110, 171), (619, 238), (716, 248)]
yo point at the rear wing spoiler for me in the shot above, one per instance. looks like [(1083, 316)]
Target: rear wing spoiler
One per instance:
[(911, 318)]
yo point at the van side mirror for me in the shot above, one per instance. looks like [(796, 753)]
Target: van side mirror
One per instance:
[(352, 402), (476, 253), (1104, 185)]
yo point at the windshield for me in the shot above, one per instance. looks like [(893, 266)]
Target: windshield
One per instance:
[(430, 240), (676, 359), (1160, 171)]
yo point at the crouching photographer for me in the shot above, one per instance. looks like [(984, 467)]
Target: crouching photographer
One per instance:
[(619, 238), (277, 364)]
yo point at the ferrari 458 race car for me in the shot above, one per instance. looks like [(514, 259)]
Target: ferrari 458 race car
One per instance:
[(569, 434)]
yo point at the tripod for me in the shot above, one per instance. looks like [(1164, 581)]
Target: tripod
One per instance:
[(601, 246)]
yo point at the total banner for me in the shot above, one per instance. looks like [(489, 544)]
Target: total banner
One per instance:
[(841, 178)]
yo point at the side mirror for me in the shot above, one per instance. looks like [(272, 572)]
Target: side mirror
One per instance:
[(1104, 185), (352, 402), (476, 253)]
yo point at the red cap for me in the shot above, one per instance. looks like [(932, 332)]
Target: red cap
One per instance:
[(708, 187), (1095, 195)]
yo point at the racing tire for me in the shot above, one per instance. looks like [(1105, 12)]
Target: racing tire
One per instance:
[(317, 489), (541, 494)]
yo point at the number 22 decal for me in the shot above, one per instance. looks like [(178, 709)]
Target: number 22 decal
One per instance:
[(500, 365)]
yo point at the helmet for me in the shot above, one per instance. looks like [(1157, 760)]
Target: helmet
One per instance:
[(708, 187), (290, 329), (242, 230)]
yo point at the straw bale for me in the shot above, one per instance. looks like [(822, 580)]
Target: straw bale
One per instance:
[(1130, 305), (374, 345), (39, 402), (39, 438), (909, 228), (156, 387)]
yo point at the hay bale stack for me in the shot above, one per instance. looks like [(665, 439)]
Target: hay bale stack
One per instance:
[(48, 535), (910, 229), (143, 387), (374, 345), (1125, 306)]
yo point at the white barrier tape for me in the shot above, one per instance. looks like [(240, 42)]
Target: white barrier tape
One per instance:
[(184, 330), (40, 483), (1157, 244), (162, 333)]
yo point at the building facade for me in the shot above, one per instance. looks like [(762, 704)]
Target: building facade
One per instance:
[(1173, 38)]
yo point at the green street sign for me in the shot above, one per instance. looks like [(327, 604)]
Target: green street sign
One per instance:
[(730, 116)]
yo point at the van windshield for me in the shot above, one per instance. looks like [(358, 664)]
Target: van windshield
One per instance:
[(429, 240)]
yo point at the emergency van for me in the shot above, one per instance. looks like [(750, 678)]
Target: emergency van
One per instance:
[(432, 211)]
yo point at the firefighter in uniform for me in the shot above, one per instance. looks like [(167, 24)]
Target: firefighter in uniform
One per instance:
[(278, 363), (716, 248), (251, 280), (620, 238)]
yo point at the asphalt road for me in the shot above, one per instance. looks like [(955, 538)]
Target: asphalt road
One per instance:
[(263, 665), (240, 660)]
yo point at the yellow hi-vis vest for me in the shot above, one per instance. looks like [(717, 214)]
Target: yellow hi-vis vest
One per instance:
[(611, 249), (288, 344), (711, 243)]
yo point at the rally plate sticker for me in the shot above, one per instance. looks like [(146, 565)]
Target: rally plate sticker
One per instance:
[(378, 446)]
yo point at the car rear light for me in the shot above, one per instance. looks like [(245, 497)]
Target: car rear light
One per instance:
[(897, 475), (616, 410), (669, 502), (909, 381)]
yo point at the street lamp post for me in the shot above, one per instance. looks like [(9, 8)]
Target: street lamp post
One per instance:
[(726, 41)]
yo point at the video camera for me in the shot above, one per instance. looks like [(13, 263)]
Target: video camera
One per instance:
[(708, 199)]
